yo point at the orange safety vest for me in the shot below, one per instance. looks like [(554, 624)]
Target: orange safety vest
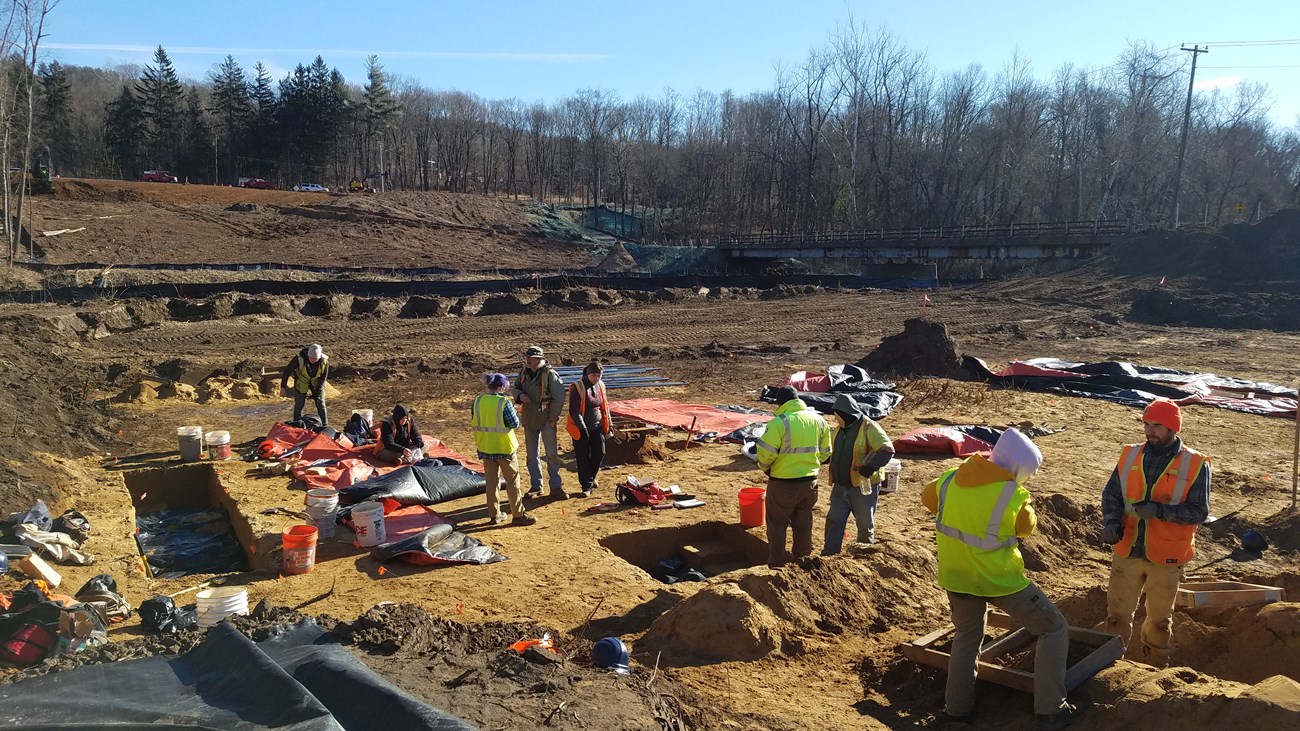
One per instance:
[(1165, 542), (581, 395)]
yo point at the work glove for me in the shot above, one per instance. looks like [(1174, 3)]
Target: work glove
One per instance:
[(1110, 534), (1146, 510)]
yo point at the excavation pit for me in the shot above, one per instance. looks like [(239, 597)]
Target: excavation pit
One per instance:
[(187, 523), (711, 548)]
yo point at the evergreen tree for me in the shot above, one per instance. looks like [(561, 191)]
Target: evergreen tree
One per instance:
[(53, 115), (124, 133), (161, 98), (264, 135), (196, 158), (232, 109), (380, 108)]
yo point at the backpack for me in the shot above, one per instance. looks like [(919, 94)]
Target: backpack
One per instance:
[(631, 493), (28, 645), (358, 430)]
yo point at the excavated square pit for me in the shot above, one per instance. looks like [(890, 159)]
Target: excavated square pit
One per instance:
[(710, 547), (197, 506)]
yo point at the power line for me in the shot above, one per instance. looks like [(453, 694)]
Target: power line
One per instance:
[(1280, 42), (1252, 67)]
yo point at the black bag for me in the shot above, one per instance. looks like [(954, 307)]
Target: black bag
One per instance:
[(161, 614), (74, 524), (102, 590), (358, 430)]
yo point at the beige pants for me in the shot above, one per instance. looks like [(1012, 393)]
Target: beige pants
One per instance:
[(1129, 577), (496, 471)]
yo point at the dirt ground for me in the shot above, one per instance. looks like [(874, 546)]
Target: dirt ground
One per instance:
[(812, 646)]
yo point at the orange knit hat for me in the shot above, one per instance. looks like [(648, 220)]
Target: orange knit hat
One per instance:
[(1165, 413)]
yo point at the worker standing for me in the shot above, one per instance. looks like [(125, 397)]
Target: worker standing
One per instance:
[(982, 511), (540, 395), (309, 369), (860, 448), (795, 444), (589, 424), (494, 421), (1157, 495)]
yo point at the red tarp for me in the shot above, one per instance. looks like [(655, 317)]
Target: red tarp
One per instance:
[(412, 520), (808, 382), (351, 464), (678, 415), (941, 440)]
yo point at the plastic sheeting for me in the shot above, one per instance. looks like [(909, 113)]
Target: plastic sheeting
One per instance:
[(298, 680), (679, 415), (874, 397), (181, 542), (1138, 385), (427, 483), (952, 440), (420, 536)]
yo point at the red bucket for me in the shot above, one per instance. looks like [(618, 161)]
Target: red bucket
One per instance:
[(753, 501)]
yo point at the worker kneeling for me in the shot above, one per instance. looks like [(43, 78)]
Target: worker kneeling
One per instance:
[(982, 510)]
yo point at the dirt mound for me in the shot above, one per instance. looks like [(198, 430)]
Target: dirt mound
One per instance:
[(508, 304), (924, 348), (76, 190), (139, 393), (411, 630), (756, 612), (1066, 530), (618, 260), (1245, 644), (225, 388), (1133, 694)]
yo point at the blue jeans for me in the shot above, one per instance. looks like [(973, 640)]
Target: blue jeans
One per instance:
[(534, 439), (845, 500)]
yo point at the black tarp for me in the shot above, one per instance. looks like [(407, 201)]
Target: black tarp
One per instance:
[(439, 544), (300, 680), (875, 398), (419, 484)]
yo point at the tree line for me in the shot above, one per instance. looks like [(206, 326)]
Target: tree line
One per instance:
[(861, 133)]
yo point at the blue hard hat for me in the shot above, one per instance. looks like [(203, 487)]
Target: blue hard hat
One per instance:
[(1254, 541), (4, 563), (611, 653)]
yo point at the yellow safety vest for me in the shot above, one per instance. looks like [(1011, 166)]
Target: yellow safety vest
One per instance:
[(303, 382), (870, 438), (975, 529), (1165, 543), (491, 435), (795, 443)]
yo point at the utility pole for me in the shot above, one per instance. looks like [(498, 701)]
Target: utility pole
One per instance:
[(1196, 51), (382, 175), (216, 170)]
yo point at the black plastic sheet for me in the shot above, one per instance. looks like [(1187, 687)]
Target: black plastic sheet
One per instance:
[(300, 680), (419, 484), (874, 398), (182, 542), (439, 544)]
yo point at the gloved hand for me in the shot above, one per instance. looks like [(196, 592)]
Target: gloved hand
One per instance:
[(1146, 510), (1110, 535)]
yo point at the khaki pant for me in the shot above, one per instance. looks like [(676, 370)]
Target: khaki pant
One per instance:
[(1032, 609), (1129, 577), (789, 505), (494, 472)]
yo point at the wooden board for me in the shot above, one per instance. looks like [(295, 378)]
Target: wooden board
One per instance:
[(1226, 594), (1107, 648)]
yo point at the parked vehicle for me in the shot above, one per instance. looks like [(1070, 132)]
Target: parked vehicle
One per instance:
[(310, 188), (255, 183), (159, 176)]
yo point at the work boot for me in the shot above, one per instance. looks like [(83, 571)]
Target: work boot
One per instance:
[(534, 492), (559, 495), (1060, 719), (523, 519), (499, 518)]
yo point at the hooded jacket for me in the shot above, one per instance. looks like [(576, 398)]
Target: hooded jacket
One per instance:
[(795, 444), (853, 444)]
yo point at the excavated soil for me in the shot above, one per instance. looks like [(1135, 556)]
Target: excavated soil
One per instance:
[(747, 649)]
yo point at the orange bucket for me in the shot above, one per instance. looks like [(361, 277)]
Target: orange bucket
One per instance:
[(753, 502), (298, 555)]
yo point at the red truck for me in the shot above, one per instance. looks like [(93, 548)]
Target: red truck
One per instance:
[(255, 183), (159, 176)]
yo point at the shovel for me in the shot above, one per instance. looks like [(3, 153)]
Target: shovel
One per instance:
[(288, 512), (204, 585)]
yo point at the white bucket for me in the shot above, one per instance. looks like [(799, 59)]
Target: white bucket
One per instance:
[(218, 444), (891, 472), (215, 605), (323, 507), (191, 442), (367, 414), (368, 522)]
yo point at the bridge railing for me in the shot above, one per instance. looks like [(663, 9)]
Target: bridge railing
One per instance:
[(1055, 229)]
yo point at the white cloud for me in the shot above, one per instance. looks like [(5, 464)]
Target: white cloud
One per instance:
[(451, 55), (1218, 82)]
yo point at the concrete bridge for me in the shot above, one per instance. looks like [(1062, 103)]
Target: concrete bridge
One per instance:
[(1061, 239)]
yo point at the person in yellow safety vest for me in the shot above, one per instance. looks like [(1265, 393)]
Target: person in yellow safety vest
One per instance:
[(982, 511), (309, 369), (795, 444), (860, 448), (588, 424), (494, 421), (1157, 495)]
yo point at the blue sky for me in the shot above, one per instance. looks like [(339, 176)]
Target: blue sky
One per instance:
[(549, 49)]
